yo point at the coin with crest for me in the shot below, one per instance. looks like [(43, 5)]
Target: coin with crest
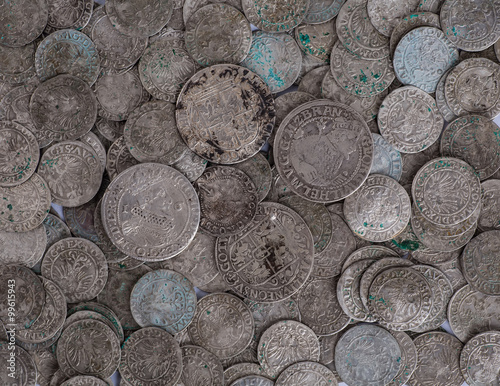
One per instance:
[(480, 359), (17, 64), (198, 363)]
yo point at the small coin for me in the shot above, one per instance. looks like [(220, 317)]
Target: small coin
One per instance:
[(386, 16), (17, 64), (480, 359), (372, 346), (22, 22), (438, 360), (25, 374), (228, 92), (275, 57), (490, 199), (386, 160), (408, 358), (240, 370), (199, 364), (119, 158), (274, 15), (317, 40), (191, 165), (285, 343), (81, 220), (253, 380), (222, 324), (321, 11), (78, 266), (410, 22), (368, 252)]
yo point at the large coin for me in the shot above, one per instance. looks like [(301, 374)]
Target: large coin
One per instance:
[(17, 65), (271, 259), (367, 355), (25, 373), (23, 248), (23, 21), (220, 94), (119, 158), (324, 151), (151, 356), (199, 364), (285, 343), (385, 15), (150, 212), (480, 359), (422, 56), (63, 108), (275, 15)]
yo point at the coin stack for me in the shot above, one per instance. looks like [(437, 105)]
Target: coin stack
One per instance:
[(242, 192)]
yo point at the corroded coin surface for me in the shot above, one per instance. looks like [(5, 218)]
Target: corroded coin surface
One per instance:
[(150, 212), (259, 171), (22, 22), (17, 64), (320, 11), (368, 252), (219, 94), (317, 40), (275, 15), (409, 358), (198, 363), (271, 259), (385, 15)]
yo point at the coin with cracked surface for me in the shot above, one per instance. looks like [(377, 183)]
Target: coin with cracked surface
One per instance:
[(219, 94), (490, 199), (285, 343), (119, 158), (386, 160), (316, 40), (422, 56), (151, 133), (151, 356), (438, 360), (222, 324), (17, 64), (323, 133), (276, 58), (70, 52), (25, 373), (373, 347), (22, 22), (275, 15), (386, 15), (23, 248), (63, 108), (271, 259), (200, 364), (218, 33), (480, 359), (241, 370), (410, 22)]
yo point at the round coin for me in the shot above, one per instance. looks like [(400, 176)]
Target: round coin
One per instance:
[(80, 220), (408, 358), (386, 160), (316, 40), (240, 370), (312, 81), (368, 252), (275, 15), (17, 64), (321, 11), (490, 199), (26, 372), (23, 248), (68, 14), (259, 171), (480, 359), (119, 158), (199, 364), (22, 22), (84, 380), (441, 102), (385, 16), (253, 380), (191, 165)]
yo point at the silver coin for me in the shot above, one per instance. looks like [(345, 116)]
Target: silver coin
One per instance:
[(88, 347), (408, 358), (161, 214), (438, 360), (488, 53), (441, 102), (80, 220), (111, 130), (412, 162), (368, 252), (78, 266), (275, 57), (259, 171), (119, 158), (55, 230), (473, 87), (490, 199), (95, 143), (367, 44), (422, 56), (117, 51), (240, 370), (151, 133), (312, 82), (327, 349), (22, 22), (247, 355), (212, 97), (58, 378), (199, 364), (67, 14), (139, 18), (361, 77), (46, 365), (386, 160), (253, 380), (321, 11), (25, 373), (453, 272), (385, 16), (285, 343), (84, 380), (312, 136), (316, 40), (309, 63), (63, 108), (274, 15), (271, 259), (480, 359), (189, 7), (70, 52), (218, 33), (430, 5), (409, 120), (279, 188), (216, 285), (72, 172), (17, 64), (372, 348), (222, 324), (191, 165)]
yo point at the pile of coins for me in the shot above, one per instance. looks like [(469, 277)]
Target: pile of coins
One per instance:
[(222, 227)]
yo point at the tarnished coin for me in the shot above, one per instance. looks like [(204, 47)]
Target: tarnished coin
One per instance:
[(379, 210), (438, 360), (81, 219), (471, 312), (367, 44), (259, 171), (489, 218), (446, 191), (164, 299), (58, 378), (63, 108), (95, 143), (218, 33), (111, 130), (240, 370), (319, 307), (139, 18), (221, 216), (312, 82), (309, 63), (191, 165), (321, 11), (271, 259), (70, 52), (78, 266), (222, 324), (412, 162), (275, 15), (46, 365), (189, 7), (25, 373), (409, 119), (317, 40), (409, 358), (151, 133), (85, 380), (88, 347), (22, 22), (441, 102), (323, 133), (220, 94), (386, 160), (150, 212), (361, 77), (400, 298), (17, 64), (385, 16), (368, 252), (367, 355), (480, 359), (117, 51), (199, 364), (410, 22), (473, 87), (119, 158), (88, 314), (72, 172), (279, 188), (285, 343), (29, 293), (253, 380), (23, 248), (422, 56)]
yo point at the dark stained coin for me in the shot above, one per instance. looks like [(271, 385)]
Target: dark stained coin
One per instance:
[(275, 15), (200, 364), (25, 373), (385, 16), (80, 220), (17, 64), (191, 165), (259, 171), (312, 81), (22, 22)]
